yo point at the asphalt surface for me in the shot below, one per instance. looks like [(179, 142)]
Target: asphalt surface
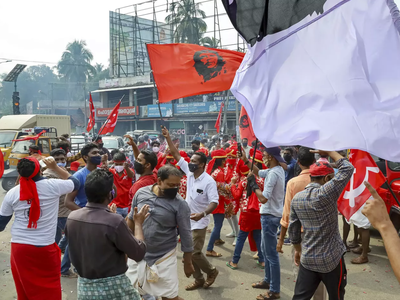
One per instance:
[(371, 281)]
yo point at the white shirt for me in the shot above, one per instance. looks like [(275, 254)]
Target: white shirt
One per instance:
[(49, 191), (199, 194)]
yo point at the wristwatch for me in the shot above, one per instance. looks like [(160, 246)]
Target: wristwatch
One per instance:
[(205, 214)]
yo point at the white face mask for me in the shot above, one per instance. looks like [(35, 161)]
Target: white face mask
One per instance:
[(156, 149), (119, 169)]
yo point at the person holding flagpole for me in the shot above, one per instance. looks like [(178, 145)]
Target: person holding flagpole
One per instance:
[(320, 254), (272, 199)]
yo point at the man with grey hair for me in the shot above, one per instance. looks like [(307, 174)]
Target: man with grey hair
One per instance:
[(157, 274)]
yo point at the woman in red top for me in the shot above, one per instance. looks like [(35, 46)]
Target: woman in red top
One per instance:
[(249, 218), (123, 177), (216, 169)]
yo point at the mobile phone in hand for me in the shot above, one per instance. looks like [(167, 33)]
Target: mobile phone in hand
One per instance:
[(239, 146)]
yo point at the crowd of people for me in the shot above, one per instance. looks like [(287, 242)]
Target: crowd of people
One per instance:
[(119, 220)]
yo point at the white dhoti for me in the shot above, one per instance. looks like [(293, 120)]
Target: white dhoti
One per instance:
[(159, 280), (359, 219)]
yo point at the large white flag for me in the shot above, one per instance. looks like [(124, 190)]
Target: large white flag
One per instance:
[(330, 81)]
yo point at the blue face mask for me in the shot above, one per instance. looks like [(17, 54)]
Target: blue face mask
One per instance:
[(96, 160), (62, 164)]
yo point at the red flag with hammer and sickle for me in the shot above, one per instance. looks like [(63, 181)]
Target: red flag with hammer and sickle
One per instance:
[(355, 193)]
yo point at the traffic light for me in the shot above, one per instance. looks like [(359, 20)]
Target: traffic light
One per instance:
[(15, 98)]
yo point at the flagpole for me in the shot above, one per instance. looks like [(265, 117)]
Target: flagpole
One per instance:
[(392, 192), (249, 190)]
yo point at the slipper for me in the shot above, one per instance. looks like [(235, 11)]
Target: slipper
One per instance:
[(260, 285), (219, 242), (214, 255), (228, 264), (269, 295), (260, 265)]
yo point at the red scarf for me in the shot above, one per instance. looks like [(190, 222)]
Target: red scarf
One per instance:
[(28, 192)]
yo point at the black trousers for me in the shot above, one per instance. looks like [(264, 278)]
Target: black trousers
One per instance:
[(308, 281)]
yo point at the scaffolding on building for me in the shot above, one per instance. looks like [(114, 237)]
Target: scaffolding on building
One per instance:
[(133, 26)]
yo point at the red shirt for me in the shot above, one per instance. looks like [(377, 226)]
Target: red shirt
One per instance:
[(142, 182), (123, 184)]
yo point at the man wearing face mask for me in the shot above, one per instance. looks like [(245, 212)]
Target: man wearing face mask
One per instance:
[(246, 147), (123, 176), (202, 198), (76, 200), (144, 165), (157, 274), (272, 199), (102, 150), (155, 147), (315, 209), (59, 156), (291, 163)]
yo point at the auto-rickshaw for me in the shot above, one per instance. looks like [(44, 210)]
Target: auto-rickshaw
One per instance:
[(44, 138)]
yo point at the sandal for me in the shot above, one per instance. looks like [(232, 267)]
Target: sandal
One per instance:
[(260, 285), (259, 264), (270, 295), (230, 266), (219, 242), (195, 285), (211, 279), (213, 254)]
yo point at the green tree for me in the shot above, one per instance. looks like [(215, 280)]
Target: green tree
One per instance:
[(186, 18), (210, 42), (74, 65)]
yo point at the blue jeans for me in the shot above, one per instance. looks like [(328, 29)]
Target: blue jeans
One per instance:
[(216, 233), (60, 227), (62, 244), (66, 262), (123, 211), (269, 224), (240, 243)]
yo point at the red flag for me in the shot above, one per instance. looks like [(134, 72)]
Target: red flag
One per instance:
[(245, 127), (182, 70), (111, 121), (356, 194), (218, 123), (92, 115)]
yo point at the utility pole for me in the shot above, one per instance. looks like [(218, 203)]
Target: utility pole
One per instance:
[(52, 99)]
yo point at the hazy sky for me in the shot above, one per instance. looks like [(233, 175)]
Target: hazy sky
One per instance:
[(40, 30)]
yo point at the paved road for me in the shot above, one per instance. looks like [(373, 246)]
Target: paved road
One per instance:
[(367, 282)]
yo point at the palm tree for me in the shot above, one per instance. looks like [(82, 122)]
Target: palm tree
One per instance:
[(186, 19), (99, 68), (74, 65), (210, 42)]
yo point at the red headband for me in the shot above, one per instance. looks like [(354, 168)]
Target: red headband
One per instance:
[(28, 192)]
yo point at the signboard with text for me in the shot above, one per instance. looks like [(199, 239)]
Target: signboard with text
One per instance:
[(202, 107), (154, 112), (123, 111)]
